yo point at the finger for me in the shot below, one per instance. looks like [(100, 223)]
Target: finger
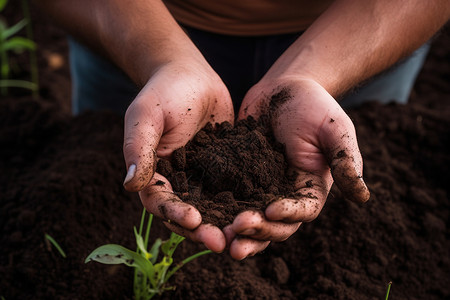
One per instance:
[(159, 199), (253, 224), (241, 248), (305, 204), (143, 129), (229, 234), (338, 139), (211, 236)]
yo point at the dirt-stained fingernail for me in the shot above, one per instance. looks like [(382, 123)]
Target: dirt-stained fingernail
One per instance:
[(130, 174)]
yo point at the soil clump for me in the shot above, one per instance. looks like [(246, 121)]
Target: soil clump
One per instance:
[(228, 169)]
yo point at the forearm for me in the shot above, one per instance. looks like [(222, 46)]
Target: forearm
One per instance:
[(354, 40), (138, 35)]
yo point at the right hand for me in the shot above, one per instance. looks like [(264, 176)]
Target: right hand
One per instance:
[(320, 147), (177, 101)]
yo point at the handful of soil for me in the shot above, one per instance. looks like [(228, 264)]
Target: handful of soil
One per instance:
[(226, 170)]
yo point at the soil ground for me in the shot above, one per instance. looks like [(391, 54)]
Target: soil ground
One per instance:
[(62, 175)]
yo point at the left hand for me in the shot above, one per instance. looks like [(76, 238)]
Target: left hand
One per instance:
[(318, 137)]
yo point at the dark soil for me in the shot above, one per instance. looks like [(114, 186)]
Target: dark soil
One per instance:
[(62, 175), (226, 170)]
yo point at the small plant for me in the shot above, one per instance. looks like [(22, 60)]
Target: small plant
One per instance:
[(55, 244), (9, 42), (150, 276), (388, 290)]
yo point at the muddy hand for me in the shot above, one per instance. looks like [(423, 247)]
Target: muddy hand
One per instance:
[(319, 138), (176, 103)]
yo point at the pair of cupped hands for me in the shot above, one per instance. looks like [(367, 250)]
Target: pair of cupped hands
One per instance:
[(319, 138)]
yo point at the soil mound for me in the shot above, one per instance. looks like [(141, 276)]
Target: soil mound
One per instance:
[(226, 170)]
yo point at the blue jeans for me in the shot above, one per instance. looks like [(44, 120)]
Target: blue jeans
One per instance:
[(240, 62)]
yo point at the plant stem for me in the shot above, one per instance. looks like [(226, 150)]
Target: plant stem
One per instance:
[(4, 70), (33, 57), (388, 289), (147, 231), (136, 289), (141, 225), (185, 261), (140, 290)]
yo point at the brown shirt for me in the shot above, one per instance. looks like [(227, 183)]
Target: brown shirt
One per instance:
[(247, 17)]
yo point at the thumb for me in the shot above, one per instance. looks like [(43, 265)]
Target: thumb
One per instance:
[(143, 130), (338, 138)]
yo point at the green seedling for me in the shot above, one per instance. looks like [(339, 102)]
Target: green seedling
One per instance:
[(150, 276), (9, 42), (55, 244), (388, 290), (33, 56)]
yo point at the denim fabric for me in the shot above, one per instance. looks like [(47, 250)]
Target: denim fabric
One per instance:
[(240, 62), (393, 85), (96, 83)]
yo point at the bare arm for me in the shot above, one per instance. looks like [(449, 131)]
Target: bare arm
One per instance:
[(125, 31), (180, 94), (354, 40)]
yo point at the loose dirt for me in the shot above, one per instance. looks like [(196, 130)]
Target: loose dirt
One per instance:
[(226, 170)]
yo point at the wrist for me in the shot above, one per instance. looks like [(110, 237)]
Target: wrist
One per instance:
[(141, 38), (302, 62)]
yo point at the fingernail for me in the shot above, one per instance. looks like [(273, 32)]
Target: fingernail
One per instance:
[(250, 231), (130, 174)]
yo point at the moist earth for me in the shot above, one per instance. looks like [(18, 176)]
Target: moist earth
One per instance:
[(62, 175), (227, 169)]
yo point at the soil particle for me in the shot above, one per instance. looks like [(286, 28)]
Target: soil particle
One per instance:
[(179, 182), (341, 154), (179, 158), (164, 167), (163, 211), (279, 98)]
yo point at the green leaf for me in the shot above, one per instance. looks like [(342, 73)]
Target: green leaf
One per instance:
[(168, 247), (47, 236), (18, 43), (3, 4), (2, 26), (113, 254), (141, 246), (154, 251), (13, 30), (161, 270), (18, 83), (4, 66)]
